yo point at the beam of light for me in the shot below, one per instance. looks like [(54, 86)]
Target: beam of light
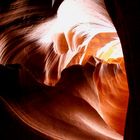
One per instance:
[(53, 1)]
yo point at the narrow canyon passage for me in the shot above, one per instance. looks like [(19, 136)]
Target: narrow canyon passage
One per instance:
[(72, 83)]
